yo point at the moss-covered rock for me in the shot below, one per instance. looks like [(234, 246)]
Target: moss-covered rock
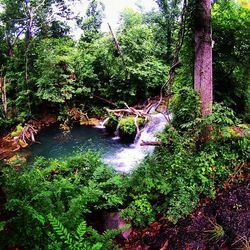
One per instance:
[(127, 128), (111, 124)]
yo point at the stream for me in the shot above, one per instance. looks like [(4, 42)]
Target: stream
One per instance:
[(53, 143)]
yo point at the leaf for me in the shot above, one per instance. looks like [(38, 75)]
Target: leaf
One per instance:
[(97, 246), (81, 229)]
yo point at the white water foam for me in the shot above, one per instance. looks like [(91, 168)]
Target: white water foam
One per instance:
[(126, 159)]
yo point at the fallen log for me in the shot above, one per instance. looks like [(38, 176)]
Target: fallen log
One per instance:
[(151, 143)]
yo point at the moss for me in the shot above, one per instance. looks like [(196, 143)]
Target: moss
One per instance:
[(17, 131)]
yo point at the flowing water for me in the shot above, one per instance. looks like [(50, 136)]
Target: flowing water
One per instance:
[(127, 158), (123, 157)]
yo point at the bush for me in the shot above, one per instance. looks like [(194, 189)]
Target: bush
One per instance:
[(69, 189), (5, 124), (112, 123)]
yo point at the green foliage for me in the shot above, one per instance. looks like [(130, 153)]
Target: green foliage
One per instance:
[(2, 225), (6, 123), (96, 111), (63, 73), (140, 211), (69, 189), (144, 70), (185, 106), (185, 168), (167, 22), (55, 71), (91, 25), (112, 123), (75, 241), (17, 131), (231, 56)]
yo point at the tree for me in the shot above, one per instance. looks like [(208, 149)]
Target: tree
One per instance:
[(231, 60), (203, 55), (168, 22), (91, 25), (144, 70), (23, 24)]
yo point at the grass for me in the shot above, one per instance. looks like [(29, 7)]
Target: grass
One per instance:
[(215, 233)]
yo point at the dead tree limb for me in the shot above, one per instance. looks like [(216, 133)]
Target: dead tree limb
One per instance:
[(105, 100), (115, 40), (119, 49), (119, 112)]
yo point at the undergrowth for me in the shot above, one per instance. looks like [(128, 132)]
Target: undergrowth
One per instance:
[(187, 167), (69, 189)]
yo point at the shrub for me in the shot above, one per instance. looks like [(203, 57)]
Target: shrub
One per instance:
[(69, 189), (112, 123)]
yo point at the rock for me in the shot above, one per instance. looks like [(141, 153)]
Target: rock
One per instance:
[(89, 122)]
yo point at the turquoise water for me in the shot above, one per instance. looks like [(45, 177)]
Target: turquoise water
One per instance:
[(53, 143)]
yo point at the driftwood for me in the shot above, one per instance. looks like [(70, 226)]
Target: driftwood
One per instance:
[(132, 111), (129, 111)]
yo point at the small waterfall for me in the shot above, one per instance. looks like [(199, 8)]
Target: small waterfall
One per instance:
[(126, 159), (102, 124)]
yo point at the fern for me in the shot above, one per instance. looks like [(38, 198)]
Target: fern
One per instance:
[(59, 228), (74, 241), (81, 230)]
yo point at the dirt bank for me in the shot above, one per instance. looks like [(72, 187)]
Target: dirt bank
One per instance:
[(221, 224)]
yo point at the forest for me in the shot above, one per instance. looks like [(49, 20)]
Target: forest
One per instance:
[(179, 74)]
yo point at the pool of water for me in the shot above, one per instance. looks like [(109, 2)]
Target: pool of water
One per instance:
[(53, 143)]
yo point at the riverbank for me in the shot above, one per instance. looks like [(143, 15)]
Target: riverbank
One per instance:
[(9, 146)]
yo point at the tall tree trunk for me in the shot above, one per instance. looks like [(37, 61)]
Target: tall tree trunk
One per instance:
[(203, 83)]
